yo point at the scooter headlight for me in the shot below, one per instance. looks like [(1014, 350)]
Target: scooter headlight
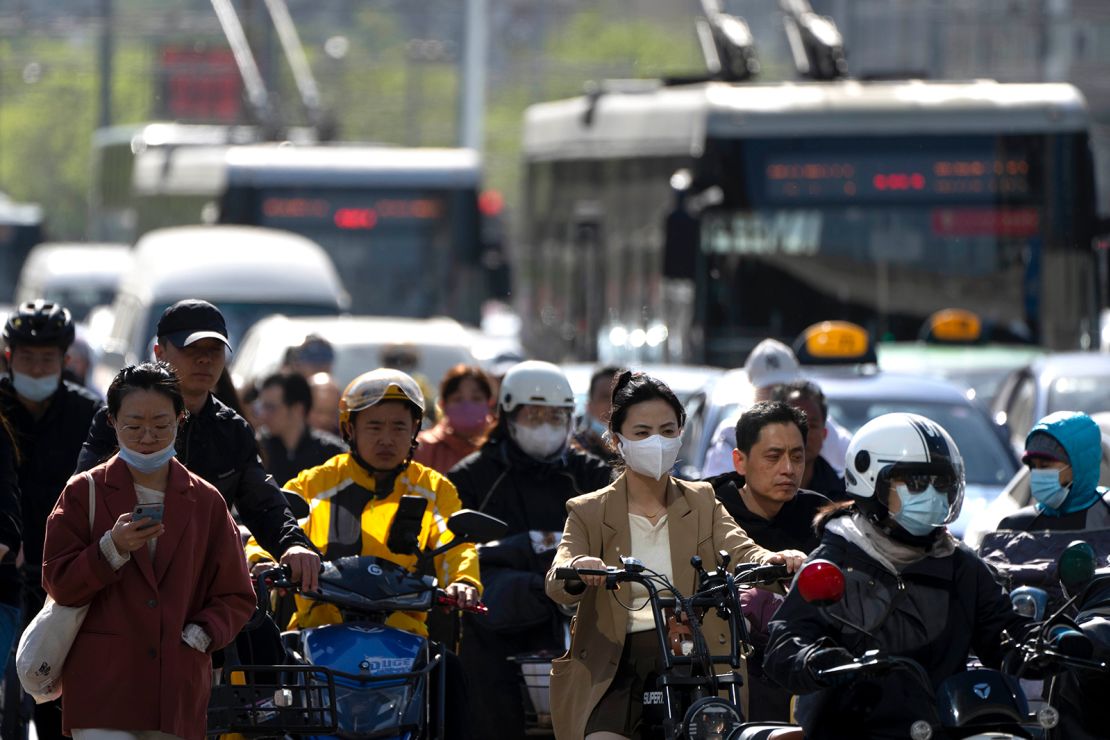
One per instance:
[(1048, 716), (711, 719)]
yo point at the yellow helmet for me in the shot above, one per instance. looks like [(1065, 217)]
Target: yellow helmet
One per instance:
[(383, 384)]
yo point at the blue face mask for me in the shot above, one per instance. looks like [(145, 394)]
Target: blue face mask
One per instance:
[(1044, 484), (923, 512), (596, 426), (35, 389), (147, 462)]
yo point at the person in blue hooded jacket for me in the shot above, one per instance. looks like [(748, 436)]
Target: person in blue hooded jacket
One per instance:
[(1063, 451)]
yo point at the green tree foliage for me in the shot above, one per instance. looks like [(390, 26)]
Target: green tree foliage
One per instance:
[(48, 111), (588, 46), (385, 89)]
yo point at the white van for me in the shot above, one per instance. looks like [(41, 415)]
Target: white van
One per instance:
[(248, 272), (77, 275), (428, 347)]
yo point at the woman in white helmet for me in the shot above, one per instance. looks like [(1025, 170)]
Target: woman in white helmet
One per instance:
[(915, 590), (524, 475)]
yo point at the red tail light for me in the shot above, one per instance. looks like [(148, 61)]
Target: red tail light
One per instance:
[(821, 583)]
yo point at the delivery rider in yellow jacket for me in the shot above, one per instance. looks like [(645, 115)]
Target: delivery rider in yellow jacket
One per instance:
[(353, 496)]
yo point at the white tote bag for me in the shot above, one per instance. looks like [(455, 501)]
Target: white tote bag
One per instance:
[(46, 641)]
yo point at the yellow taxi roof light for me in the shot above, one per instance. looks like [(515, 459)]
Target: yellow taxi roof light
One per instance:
[(954, 325), (840, 340)]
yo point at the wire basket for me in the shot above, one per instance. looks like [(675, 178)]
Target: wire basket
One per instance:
[(273, 700)]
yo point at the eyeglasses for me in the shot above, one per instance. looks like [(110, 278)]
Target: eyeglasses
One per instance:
[(136, 432)]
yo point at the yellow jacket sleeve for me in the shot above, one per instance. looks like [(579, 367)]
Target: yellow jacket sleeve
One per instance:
[(460, 563)]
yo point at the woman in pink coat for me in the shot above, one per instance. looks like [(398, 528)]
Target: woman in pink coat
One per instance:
[(162, 595)]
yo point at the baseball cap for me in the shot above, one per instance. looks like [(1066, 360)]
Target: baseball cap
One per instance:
[(191, 320), (771, 363), (1044, 446)]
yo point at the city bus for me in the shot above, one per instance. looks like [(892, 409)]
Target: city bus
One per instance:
[(687, 222), (407, 228)]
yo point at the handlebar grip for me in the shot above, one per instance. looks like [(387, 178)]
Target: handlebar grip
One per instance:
[(766, 573), (567, 574)]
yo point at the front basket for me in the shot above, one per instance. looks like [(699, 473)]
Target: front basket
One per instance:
[(264, 700)]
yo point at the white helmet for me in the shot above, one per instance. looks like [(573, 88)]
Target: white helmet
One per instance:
[(907, 447), (535, 383)]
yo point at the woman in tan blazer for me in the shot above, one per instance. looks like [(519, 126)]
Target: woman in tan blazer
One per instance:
[(596, 688)]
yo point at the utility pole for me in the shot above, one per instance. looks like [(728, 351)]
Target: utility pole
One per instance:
[(107, 41), (472, 100)]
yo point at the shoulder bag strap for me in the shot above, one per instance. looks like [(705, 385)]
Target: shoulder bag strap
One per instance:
[(92, 499)]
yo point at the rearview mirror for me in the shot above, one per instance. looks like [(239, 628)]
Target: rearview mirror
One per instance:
[(473, 526), (1076, 566)]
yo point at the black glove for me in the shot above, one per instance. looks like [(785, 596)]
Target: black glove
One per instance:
[(829, 657)]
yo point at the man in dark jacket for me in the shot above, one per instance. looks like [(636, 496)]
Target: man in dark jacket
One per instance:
[(910, 589), (523, 475), (762, 494), (214, 442), (289, 445), (818, 475), (49, 418)]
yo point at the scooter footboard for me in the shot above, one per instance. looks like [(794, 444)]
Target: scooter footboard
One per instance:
[(274, 700)]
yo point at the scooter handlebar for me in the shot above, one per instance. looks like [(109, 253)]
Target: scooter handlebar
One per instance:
[(450, 603), (575, 574), (277, 577), (761, 574)]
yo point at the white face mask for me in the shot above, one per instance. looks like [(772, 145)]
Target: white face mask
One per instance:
[(653, 456), (148, 462), (540, 442), (35, 389)]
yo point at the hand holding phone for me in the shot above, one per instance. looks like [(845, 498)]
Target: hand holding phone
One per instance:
[(129, 535), (153, 512)]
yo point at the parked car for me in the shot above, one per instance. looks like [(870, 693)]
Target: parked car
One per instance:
[(855, 398), (1065, 381), (77, 275), (430, 347), (248, 272), (981, 368), (684, 380)]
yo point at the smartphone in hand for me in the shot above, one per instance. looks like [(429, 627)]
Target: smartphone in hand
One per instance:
[(148, 511)]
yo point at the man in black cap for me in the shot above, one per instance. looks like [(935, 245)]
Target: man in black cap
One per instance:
[(214, 442)]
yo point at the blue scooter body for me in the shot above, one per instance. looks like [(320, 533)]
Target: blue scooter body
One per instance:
[(364, 658)]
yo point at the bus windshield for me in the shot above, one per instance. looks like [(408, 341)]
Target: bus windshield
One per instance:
[(394, 248), (884, 232)]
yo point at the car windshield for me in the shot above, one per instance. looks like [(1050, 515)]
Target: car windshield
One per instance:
[(986, 458), (80, 300), (1085, 393)]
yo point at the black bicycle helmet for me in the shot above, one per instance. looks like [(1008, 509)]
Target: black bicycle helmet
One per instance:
[(39, 324)]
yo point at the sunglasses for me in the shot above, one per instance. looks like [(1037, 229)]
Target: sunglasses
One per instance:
[(921, 483)]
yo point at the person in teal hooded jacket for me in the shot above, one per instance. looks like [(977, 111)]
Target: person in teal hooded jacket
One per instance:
[(1063, 451)]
